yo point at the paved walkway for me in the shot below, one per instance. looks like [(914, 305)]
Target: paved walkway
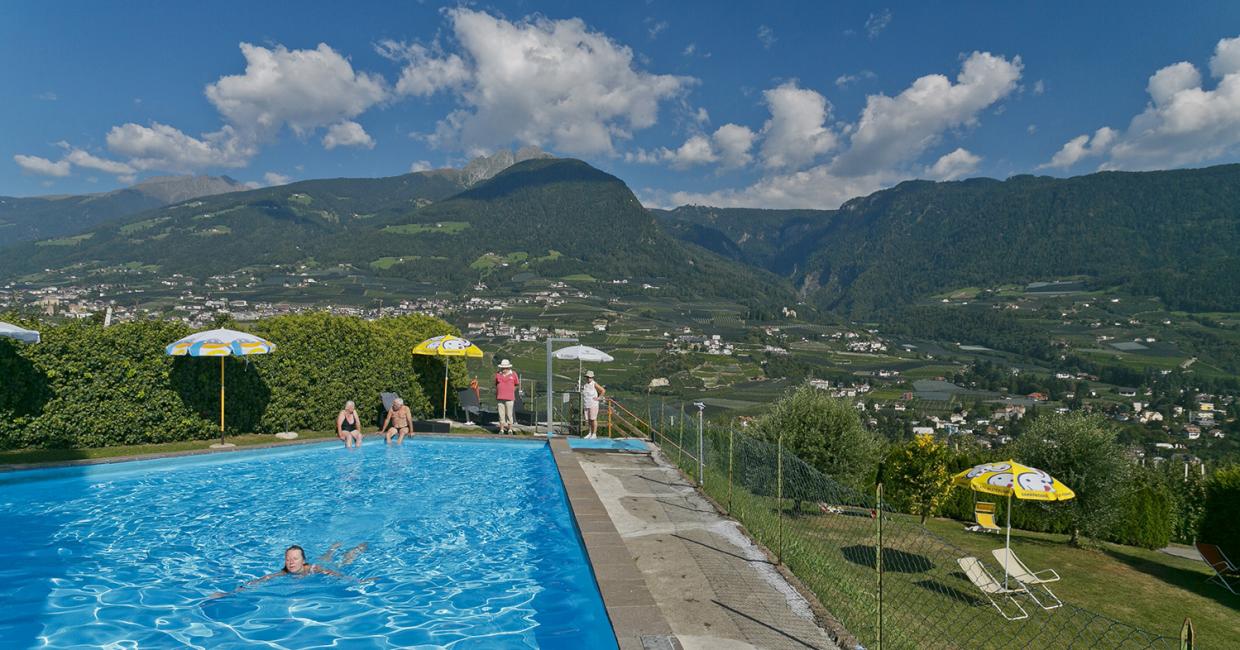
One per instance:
[(715, 588)]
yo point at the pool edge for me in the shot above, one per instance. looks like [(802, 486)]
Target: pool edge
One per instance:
[(631, 608)]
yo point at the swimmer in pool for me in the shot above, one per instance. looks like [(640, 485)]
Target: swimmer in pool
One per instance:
[(295, 564)]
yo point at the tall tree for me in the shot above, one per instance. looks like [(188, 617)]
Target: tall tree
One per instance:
[(1080, 450)]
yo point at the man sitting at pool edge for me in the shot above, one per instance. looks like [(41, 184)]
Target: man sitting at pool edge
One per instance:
[(401, 420)]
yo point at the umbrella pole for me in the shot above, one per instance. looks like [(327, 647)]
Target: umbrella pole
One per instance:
[(445, 388), (1007, 543), (221, 401)]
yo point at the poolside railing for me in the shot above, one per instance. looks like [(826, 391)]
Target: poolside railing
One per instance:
[(884, 579)]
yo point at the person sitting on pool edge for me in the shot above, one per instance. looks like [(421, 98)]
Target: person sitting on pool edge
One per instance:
[(401, 420), (348, 427)]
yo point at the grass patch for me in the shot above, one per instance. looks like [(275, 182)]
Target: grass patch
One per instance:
[(31, 456), (214, 231), (579, 277), (139, 226), (927, 602), (385, 263), (66, 241), (300, 199), (441, 227)]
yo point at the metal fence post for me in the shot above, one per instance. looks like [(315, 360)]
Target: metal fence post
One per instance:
[(681, 441), (878, 561), (779, 498), (701, 447), (731, 434)]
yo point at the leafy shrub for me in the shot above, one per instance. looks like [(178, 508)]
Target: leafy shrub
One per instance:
[(826, 433), (1145, 512), (87, 386), (917, 472), (1221, 522)]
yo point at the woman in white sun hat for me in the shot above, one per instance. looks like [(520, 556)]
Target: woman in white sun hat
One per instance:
[(591, 391), (506, 385)]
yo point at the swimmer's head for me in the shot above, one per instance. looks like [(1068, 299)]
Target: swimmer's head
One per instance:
[(398, 402), (349, 405), (294, 559)]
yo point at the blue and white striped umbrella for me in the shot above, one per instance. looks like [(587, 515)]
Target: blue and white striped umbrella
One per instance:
[(219, 343)]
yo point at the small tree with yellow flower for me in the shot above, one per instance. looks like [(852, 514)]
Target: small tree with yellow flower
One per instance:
[(918, 476)]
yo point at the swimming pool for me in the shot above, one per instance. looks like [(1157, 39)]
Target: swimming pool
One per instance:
[(609, 444), (472, 545)]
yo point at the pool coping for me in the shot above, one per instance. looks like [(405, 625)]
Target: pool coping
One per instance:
[(635, 616), (14, 467)]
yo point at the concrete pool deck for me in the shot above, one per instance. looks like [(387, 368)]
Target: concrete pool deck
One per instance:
[(706, 581)]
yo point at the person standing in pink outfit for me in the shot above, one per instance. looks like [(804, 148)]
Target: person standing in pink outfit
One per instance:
[(507, 383)]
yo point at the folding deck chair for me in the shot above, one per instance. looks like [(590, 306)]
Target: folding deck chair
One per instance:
[(991, 588), (984, 513), (1017, 569), (1223, 567)]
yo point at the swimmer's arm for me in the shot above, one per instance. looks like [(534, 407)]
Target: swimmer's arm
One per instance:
[(251, 583), (317, 568)]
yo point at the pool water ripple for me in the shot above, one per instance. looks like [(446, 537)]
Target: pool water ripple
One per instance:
[(469, 545)]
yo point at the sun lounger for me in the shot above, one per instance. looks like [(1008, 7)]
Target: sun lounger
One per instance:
[(991, 588), (1223, 567), (984, 513), (828, 509), (1021, 573)]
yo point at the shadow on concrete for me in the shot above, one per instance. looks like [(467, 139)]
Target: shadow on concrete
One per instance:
[(790, 637), (721, 551)]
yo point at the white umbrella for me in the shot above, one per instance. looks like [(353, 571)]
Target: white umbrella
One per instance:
[(583, 353), (21, 334)]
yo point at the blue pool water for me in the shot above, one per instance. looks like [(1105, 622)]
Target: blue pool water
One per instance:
[(617, 444), (471, 545)]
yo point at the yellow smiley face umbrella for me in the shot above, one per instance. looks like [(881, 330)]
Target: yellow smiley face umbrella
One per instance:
[(1012, 479), (447, 345)]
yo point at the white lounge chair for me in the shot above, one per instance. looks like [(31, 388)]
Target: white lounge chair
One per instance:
[(991, 588), (1017, 569)]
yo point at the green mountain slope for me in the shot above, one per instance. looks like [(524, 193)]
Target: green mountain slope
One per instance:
[(549, 218), (1171, 234), (40, 217)]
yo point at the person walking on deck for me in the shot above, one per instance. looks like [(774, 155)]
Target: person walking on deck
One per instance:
[(591, 393), (506, 385)]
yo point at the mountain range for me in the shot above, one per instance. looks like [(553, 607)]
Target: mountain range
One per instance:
[(1170, 234), (39, 217)]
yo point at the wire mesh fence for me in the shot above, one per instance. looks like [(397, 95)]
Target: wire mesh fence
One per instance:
[(885, 579)]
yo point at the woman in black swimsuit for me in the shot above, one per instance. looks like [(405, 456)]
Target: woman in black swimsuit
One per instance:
[(348, 427)]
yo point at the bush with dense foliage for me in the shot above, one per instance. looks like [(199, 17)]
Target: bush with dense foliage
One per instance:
[(1080, 450), (826, 433), (917, 476), (1220, 524), (1145, 515), (89, 386)]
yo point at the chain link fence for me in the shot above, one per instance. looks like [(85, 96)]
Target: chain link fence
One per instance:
[(888, 581)]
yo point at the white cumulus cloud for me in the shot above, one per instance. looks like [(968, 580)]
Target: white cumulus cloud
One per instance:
[(537, 81), (164, 147), (347, 134), (82, 158), (956, 164), (796, 133), (272, 179), (41, 166), (733, 143), (894, 130), (303, 89), (1184, 123)]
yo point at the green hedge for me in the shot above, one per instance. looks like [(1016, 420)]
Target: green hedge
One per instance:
[(1221, 522), (86, 386), (1146, 512)]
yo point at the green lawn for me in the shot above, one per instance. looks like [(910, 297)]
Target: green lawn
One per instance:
[(25, 456), (1116, 596), (444, 227)]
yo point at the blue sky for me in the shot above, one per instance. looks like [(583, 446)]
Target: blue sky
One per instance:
[(777, 104)]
